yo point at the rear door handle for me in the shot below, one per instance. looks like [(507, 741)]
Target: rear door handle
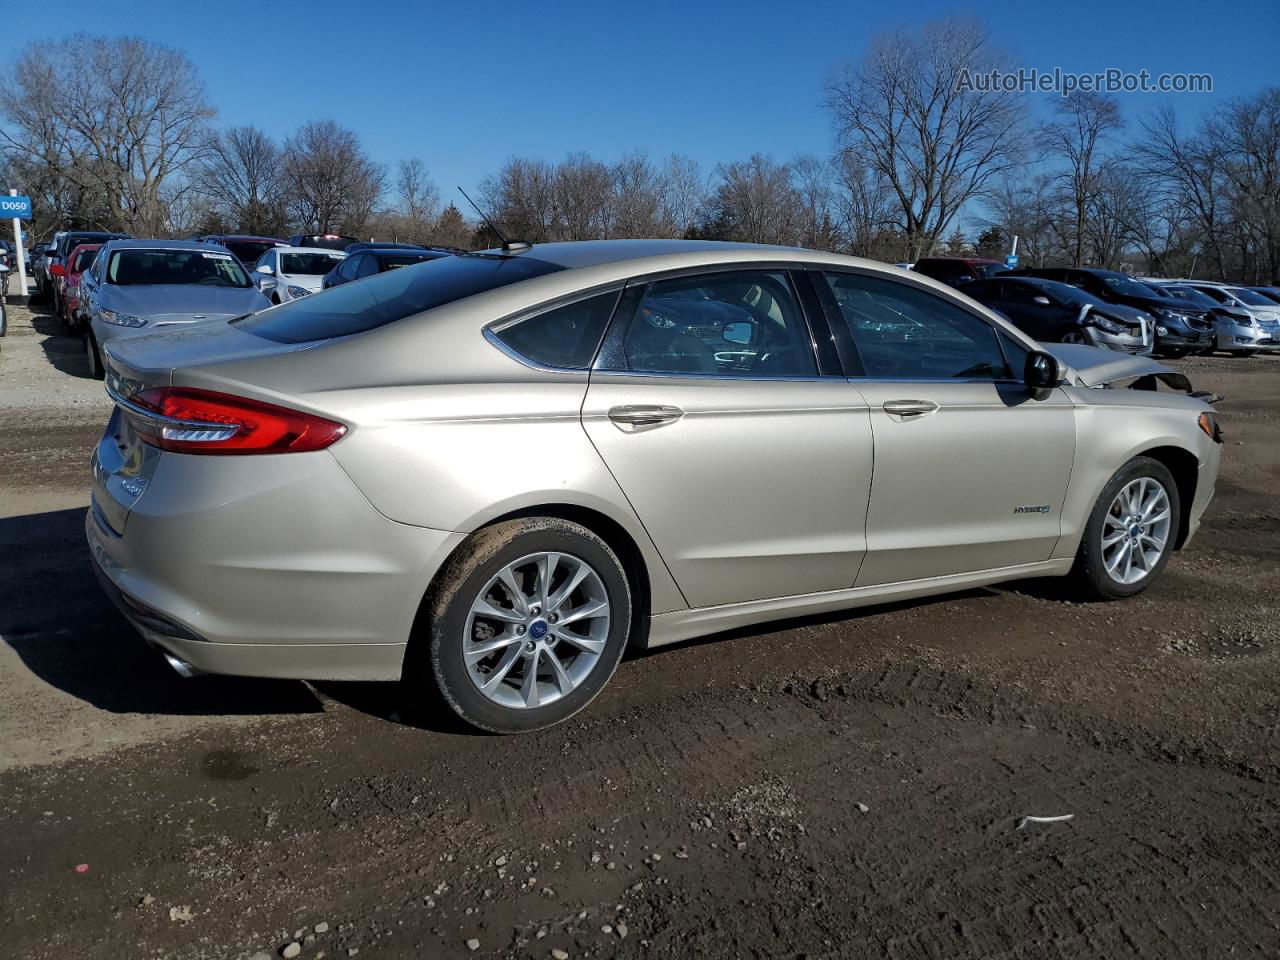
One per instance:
[(909, 408), (644, 415)]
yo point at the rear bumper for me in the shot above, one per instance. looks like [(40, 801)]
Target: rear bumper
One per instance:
[(277, 569)]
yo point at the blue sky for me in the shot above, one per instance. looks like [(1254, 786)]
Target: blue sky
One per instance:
[(463, 86)]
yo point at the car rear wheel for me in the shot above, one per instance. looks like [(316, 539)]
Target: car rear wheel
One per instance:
[(1130, 532), (524, 628), (1073, 336)]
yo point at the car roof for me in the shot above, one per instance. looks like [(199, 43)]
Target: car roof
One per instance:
[(595, 253), (132, 244), (223, 237), (406, 251)]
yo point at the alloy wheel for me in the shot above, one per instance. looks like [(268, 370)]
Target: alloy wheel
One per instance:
[(536, 630), (1135, 532)]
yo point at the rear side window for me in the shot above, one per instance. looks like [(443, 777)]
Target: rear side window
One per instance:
[(564, 336), (391, 296), (906, 333)]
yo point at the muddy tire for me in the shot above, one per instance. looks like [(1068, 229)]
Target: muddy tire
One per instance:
[(1130, 533), (523, 628)]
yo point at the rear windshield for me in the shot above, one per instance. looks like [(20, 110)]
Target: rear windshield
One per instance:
[(989, 269), (309, 264), (390, 296), (248, 251), (391, 261), (129, 268), (326, 242)]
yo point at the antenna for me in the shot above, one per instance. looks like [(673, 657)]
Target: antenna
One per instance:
[(508, 246)]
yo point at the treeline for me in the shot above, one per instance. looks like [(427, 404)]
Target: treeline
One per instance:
[(118, 134)]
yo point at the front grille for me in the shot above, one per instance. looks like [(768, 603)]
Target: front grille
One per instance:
[(1201, 321)]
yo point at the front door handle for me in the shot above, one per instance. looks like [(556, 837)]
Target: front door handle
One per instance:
[(909, 408), (644, 415)]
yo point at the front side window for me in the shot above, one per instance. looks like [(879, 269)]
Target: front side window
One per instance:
[(743, 323), (564, 336), (903, 332), (164, 267), (367, 267)]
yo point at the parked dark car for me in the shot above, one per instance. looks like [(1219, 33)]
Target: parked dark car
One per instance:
[(1271, 293), (1055, 312), (58, 258), (365, 263), (957, 271), (326, 241), (369, 244), (1181, 329), (1235, 330), (247, 249)]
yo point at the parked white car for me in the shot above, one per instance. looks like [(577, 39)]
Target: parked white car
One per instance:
[(290, 273)]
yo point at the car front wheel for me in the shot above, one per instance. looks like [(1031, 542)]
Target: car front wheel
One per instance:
[(93, 356), (1131, 531), (524, 627)]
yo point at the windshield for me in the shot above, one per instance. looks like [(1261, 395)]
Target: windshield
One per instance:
[(84, 259), (310, 264), (986, 270), (1249, 297), (1189, 294), (390, 296), (1065, 293), (248, 251), (129, 268), (1128, 286)]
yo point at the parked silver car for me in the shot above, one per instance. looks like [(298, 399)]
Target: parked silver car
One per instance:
[(138, 287), (487, 474)]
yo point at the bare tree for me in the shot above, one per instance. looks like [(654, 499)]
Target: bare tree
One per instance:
[(814, 191), (638, 195), (584, 197), (1249, 131), (521, 199), (754, 201), (116, 118), (910, 113), (329, 182), (1082, 123), (240, 175), (684, 194), (866, 211)]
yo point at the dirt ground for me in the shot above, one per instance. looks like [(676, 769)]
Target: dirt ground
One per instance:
[(843, 787)]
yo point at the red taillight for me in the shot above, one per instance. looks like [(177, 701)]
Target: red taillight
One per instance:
[(187, 420)]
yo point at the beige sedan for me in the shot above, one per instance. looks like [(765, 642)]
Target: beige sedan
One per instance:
[(487, 475)]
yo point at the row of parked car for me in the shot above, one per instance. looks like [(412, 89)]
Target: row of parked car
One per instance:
[(104, 286), (1105, 308)]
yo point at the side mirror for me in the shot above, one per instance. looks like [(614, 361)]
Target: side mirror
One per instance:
[(58, 270), (740, 332), (1040, 373), (266, 270), (1042, 301)]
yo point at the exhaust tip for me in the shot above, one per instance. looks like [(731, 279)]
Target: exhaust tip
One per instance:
[(181, 667)]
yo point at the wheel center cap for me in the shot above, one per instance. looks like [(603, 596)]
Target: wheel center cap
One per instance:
[(538, 629), (1135, 530)]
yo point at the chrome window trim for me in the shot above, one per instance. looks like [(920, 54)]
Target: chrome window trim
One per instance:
[(720, 377)]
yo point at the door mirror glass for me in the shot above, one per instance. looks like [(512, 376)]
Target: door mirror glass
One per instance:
[(1042, 301), (740, 332), (1040, 372)]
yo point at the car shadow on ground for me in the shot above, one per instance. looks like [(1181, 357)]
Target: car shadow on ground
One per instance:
[(65, 352), (66, 631)]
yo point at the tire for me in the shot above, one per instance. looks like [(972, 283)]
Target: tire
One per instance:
[(4, 321), (436, 666), (1091, 566), (94, 357), (1074, 336)]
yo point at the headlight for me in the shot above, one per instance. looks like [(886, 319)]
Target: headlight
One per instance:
[(1269, 317), (120, 319), (1173, 315), (297, 292), (1107, 325)]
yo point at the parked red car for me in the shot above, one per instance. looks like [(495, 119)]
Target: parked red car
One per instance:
[(75, 315)]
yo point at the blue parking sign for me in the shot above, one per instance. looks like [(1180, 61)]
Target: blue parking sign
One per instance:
[(18, 208), (1011, 261)]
